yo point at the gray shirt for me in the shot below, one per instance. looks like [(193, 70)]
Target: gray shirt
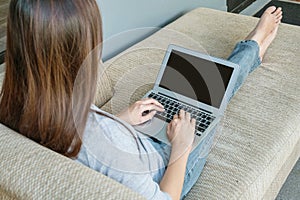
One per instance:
[(113, 148)]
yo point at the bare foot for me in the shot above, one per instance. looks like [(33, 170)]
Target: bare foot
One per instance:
[(266, 29), (266, 43)]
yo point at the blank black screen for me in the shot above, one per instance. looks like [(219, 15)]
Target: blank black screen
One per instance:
[(196, 78)]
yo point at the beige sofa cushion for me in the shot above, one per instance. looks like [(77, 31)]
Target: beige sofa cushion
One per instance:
[(104, 91), (261, 126), (2, 68)]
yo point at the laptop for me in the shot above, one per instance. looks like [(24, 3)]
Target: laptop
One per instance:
[(195, 82)]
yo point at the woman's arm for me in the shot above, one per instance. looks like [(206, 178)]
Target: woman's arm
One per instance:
[(181, 135), (173, 179)]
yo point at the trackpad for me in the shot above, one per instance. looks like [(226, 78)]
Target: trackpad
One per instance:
[(156, 128)]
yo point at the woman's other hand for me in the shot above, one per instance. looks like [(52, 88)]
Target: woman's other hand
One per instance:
[(141, 111), (181, 135), (181, 131)]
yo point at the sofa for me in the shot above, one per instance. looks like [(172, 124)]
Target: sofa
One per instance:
[(257, 141)]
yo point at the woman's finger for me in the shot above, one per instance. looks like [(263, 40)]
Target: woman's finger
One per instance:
[(188, 116), (193, 121), (151, 101), (168, 128), (148, 116), (181, 114), (152, 107)]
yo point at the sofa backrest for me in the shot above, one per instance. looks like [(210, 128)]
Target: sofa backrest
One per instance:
[(2, 68)]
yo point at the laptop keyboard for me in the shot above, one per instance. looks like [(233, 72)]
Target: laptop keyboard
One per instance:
[(172, 107)]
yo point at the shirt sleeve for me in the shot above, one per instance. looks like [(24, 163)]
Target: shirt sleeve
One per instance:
[(141, 183), (110, 149)]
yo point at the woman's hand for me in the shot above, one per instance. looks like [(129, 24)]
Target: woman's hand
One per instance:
[(141, 111), (181, 132), (181, 135)]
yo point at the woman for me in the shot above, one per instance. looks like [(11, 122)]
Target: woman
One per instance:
[(48, 44)]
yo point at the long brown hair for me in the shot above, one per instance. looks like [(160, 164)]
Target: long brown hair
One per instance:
[(47, 43)]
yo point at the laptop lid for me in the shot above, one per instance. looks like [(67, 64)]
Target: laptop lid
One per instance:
[(197, 79)]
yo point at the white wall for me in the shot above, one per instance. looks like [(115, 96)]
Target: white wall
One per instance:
[(126, 22)]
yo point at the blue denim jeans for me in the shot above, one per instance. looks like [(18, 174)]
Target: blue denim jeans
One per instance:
[(245, 54)]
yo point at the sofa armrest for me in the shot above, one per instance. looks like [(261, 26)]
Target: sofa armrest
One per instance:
[(30, 171)]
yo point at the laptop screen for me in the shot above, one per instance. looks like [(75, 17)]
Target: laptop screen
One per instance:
[(202, 80)]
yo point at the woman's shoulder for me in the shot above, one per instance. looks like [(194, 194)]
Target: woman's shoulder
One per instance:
[(108, 142)]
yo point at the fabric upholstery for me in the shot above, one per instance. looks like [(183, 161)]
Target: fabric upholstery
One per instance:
[(104, 91), (30, 171), (2, 68), (1, 79), (1, 75)]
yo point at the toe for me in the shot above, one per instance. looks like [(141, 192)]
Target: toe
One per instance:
[(279, 15), (270, 9), (278, 19), (278, 11)]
